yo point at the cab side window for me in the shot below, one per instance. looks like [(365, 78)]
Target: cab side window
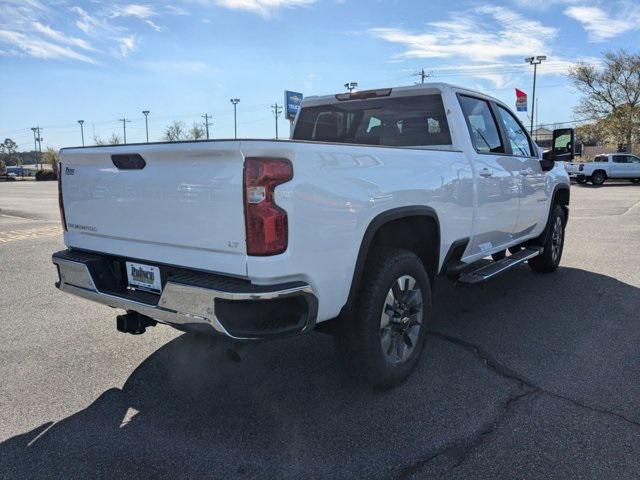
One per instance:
[(620, 159), (516, 135), (482, 125)]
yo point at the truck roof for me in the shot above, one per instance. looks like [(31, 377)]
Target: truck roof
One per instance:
[(411, 90)]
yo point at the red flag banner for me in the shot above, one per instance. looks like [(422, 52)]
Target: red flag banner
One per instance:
[(521, 101)]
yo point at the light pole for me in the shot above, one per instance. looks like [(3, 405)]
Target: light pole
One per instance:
[(351, 86), (146, 122), (535, 61), (235, 102), (81, 122)]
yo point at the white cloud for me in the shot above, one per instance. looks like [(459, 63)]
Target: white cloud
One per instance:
[(262, 7), (487, 42), (125, 46), (486, 33), (61, 37), (38, 48), (602, 26)]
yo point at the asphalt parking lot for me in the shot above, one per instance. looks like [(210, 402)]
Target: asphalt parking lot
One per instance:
[(530, 376)]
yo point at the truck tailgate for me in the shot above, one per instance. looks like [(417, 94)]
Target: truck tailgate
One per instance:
[(183, 207)]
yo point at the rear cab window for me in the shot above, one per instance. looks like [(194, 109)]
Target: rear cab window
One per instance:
[(413, 121)]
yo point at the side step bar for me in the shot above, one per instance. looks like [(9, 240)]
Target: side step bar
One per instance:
[(487, 272)]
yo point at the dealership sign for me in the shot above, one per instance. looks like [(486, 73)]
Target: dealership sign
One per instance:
[(521, 101), (292, 101)]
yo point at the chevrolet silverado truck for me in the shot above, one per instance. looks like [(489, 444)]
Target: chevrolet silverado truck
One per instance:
[(343, 228), (610, 166)]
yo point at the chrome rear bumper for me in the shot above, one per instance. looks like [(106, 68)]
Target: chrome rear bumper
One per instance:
[(184, 306)]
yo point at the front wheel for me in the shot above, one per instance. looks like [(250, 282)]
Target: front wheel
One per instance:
[(382, 339), (549, 259), (598, 178)]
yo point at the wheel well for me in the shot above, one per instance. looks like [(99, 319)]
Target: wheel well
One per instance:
[(562, 197), (418, 234)]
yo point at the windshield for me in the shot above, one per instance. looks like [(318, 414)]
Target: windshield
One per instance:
[(403, 121)]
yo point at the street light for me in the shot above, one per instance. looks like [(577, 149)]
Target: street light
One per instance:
[(535, 61), (351, 86), (235, 102), (81, 122), (146, 122)]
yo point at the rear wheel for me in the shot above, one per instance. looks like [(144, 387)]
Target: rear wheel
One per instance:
[(635, 180), (549, 259), (382, 339), (598, 177)]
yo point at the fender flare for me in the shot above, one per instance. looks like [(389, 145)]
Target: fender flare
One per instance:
[(378, 222)]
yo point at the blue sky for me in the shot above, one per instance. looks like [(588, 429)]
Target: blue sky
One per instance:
[(61, 61)]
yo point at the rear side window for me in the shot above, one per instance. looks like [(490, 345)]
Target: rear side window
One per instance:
[(620, 159), (482, 125), (399, 122)]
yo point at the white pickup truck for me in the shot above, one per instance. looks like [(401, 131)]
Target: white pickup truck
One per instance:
[(604, 167), (341, 229)]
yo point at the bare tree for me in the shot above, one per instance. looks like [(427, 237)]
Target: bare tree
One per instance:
[(51, 157), (612, 93), (114, 139), (196, 132), (175, 132)]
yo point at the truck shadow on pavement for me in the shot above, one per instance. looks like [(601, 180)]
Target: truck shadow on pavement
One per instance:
[(289, 410)]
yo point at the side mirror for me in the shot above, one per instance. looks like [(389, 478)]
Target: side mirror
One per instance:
[(562, 148)]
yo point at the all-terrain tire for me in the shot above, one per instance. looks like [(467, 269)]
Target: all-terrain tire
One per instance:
[(361, 334), (553, 244)]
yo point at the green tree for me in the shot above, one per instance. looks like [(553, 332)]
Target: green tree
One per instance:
[(8, 150), (612, 93)]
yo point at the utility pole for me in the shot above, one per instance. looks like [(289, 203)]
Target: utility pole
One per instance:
[(146, 122), (277, 110), (207, 123), (423, 75), (535, 61), (81, 122), (124, 128), (39, 159), (351, 86), (235, 102)]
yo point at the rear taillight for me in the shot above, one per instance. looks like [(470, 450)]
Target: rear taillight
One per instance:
[(581, 167), (265, 222), (60, 201)]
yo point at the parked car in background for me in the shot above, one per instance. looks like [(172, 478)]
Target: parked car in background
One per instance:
[(343, 228), (610, 166), (573, 169)]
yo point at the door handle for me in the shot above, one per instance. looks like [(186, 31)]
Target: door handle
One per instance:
[(485, 172), (526, 171)]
